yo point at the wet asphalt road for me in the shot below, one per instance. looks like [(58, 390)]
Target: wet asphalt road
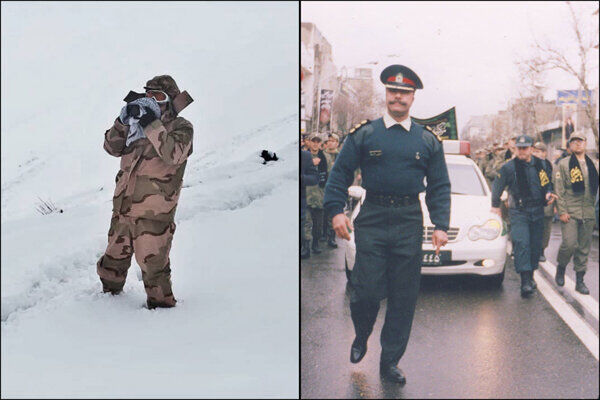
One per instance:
[(467, 341)]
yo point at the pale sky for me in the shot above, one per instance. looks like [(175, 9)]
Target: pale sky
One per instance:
[(464, 52)]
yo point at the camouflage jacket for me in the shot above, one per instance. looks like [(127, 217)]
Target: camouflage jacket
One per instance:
[(149, 180), (330, 156), (579, 206), (315, 194)]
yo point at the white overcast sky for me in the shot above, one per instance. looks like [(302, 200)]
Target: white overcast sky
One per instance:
[(464, 52)]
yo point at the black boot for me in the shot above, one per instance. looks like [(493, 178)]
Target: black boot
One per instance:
[(331, 239), (526, 288), (315, 246), (305, 249), (358, 350), (559, 278), (533, 284), (392, 373), (579, 285)]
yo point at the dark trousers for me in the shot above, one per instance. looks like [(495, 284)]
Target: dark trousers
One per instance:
[(388, 264), (527, 230)]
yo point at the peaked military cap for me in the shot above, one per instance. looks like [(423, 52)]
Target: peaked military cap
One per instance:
[(524, 141), (400, 77)]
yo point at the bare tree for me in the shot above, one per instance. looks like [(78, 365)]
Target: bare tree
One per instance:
[(549, 57)]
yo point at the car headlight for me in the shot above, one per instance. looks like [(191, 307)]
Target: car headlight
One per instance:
[(488, 231)]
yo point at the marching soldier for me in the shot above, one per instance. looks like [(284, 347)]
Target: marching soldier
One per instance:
[(576, 184), (331, 152), (314, 199), (394, 155), (530, 189), (539, 150)]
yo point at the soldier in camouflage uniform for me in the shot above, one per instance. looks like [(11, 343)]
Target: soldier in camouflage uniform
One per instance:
[(313, 223), (331, 152), (146, 195), (576, 185)]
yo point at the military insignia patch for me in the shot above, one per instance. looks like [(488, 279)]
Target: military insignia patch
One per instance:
[(363, 122), (543, 178), (374, 153)]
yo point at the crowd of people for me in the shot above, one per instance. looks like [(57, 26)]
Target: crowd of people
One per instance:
[(573, 181), (316, 227)]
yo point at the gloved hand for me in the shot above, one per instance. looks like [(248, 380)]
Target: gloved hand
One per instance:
[(147, 118), (133, 110)]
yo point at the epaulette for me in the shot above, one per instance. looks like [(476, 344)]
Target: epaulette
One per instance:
[(366, 121)]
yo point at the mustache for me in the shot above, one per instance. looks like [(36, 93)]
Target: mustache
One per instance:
[(396, 102)]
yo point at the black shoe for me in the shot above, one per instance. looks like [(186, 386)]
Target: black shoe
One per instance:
[(305, 250), (315, 246), (559, 278), (392, 373), (358, 350), (579, 285), (533, 284), (526, 288)]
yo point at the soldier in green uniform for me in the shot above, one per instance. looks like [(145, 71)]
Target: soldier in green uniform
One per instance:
[(576, 183), (539, 150), (314, 198), (331, 152)]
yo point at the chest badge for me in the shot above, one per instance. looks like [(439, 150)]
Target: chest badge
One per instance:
[(374, 153), (417, 156)]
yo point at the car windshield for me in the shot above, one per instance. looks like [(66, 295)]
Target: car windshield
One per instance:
[(464, 180)]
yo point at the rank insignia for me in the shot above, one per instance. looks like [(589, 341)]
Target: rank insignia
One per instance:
[(374, 153)]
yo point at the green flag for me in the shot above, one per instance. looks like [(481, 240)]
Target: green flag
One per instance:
[(443, 126)]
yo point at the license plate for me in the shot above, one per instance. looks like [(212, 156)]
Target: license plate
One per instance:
[(431, 259)]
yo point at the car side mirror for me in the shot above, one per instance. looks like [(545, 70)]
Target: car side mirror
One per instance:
[(356, 192)]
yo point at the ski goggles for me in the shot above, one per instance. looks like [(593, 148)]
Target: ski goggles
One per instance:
[(159, 95)]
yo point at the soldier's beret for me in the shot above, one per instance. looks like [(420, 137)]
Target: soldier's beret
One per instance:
[(400, 77)]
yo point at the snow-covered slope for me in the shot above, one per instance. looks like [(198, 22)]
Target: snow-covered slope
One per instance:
[(234, 332)]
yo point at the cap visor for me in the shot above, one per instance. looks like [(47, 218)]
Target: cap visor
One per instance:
[(523, 145), (399, 87)]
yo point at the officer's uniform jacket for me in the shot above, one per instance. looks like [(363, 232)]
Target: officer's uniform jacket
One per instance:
[(151, 174), (579, 206), (507, 177), (394, 160)]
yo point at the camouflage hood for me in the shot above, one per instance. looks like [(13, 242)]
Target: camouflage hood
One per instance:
[(164, 83)]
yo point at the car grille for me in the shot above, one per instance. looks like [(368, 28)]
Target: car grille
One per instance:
[(428, 231)]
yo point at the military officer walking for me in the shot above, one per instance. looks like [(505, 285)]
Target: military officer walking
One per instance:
[(530, 189), (576, 186), (395, 155)]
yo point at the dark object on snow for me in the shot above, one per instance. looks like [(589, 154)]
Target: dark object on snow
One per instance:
[(268, 156), (46, 207)]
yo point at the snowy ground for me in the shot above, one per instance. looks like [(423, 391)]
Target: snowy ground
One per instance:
[(234, 261), (234, 332)]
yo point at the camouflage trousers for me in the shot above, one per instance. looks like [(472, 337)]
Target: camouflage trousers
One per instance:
[(313, 223), (150, 241)]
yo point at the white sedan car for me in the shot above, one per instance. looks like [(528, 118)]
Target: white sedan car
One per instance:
[(477, 239)]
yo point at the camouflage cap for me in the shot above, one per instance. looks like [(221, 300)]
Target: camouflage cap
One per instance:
[(315, 136), (577, 135), (334, 136), (164, 83)]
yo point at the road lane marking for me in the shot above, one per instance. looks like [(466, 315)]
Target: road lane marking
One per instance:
[(587, 301), (578, 325)]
